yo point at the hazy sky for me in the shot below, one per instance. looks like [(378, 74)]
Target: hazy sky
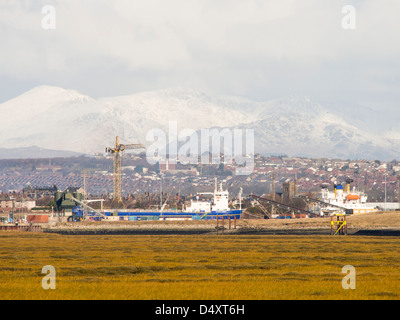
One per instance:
[(258, 49)]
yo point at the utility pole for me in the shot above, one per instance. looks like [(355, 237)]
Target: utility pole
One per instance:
[(385, 189), (273, 191), (161, 182), (12, 210), (398, 190)]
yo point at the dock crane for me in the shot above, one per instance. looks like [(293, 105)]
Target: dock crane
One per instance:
[(117, 150)]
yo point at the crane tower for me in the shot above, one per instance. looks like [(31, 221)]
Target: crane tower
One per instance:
[(117, 150)]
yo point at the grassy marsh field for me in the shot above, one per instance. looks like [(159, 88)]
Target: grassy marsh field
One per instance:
[(138, 267)]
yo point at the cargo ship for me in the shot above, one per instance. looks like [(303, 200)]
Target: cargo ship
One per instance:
[(344, 200), (198, 209)]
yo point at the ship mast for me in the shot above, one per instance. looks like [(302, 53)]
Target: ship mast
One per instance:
[(240, 198)]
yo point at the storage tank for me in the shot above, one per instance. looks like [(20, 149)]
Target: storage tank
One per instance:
[(57, 196), (67, 195), (78, 196), (58, 199)]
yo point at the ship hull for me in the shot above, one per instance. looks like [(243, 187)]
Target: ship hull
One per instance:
[(175, 215)]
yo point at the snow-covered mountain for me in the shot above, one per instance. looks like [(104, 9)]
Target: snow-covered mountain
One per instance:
[(59, 119), (35, 152)]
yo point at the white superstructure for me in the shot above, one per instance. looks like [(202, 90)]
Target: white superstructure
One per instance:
[(220, 201), (199, 206)]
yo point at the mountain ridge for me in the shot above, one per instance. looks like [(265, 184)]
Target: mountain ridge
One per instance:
[(62, 119)]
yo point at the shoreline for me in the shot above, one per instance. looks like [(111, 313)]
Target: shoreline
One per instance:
[(181, 229), (373, 224), (292, 232)]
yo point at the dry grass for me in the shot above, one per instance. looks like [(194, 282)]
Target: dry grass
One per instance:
[(198, 266), (362, 221), (378, 220)]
